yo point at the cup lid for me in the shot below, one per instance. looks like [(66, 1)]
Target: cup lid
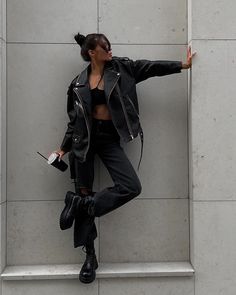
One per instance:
[(52, 158)]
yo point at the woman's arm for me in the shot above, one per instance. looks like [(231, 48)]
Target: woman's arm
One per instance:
[(144, 69)]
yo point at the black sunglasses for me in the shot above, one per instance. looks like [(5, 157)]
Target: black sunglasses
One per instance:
[(106, 48)]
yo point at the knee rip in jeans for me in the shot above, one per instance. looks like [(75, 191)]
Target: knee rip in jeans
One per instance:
[(85, 191)]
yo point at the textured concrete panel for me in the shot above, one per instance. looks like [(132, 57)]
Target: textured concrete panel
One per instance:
[(59, 287), (146, 230), (163, 113), (3, 120), (213, 120), (138, 21), (214, 243), (190, 144), (53, 21), (3, 19), (213, 19), (189, 4), (38, 79), (34, 235), (191, 232), (2, 235), (148, 286)]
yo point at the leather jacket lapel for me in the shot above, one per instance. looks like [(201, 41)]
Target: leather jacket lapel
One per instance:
[(110, 79), (82, 83)]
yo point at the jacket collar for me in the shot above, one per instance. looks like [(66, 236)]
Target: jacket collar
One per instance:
[(82, 83)]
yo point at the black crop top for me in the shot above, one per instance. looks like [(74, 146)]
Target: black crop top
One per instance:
[(98, 96)]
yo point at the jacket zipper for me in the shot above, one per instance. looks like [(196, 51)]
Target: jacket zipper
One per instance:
[(86, 118), (126, 116), (132, 105), (112, 89)]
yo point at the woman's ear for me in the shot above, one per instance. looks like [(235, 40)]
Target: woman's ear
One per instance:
[(91, 52)]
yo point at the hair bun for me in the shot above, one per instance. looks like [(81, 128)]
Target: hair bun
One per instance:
[(79, 39)]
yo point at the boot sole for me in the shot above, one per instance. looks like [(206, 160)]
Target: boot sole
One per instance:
[(65, 221), (89, 280)]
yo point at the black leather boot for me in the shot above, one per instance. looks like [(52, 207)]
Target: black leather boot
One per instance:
[(68, 213), (87, 272)]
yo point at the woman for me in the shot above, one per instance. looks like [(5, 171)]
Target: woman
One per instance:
[(103, 108)]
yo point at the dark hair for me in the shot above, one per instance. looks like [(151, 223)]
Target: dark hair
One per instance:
[(90, 42)]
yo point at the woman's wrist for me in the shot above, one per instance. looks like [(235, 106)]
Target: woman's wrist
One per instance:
[(185, 66), (60, 151)]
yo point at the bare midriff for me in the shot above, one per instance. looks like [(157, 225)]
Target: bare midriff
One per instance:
[(101, 112)]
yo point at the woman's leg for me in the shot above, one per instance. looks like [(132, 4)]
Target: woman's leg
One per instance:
[(85, 227), (106, 143), (84, 174), (126, 182)]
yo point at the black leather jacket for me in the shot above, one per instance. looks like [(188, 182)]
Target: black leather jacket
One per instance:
[(121, 75)]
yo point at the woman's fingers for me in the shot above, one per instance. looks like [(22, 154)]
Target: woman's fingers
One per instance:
[(61, 154), (189, 52), (58, 152), (190, 55)]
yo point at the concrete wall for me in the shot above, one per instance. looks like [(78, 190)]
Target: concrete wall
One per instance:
[(213, 145), (2, 137), (42, 60)]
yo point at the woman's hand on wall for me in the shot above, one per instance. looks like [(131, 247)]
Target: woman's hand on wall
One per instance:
[(188, 64)]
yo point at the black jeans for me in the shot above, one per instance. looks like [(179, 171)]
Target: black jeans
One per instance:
[(105, 141)]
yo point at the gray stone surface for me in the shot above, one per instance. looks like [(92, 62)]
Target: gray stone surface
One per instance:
[(146, 230), (3, 20), (59, 287), (153, 22), (212, 216), (2, 137), (148, 286), (105, 270), (213, 118), (3, 120), (214, 247), (53, 22), (213, 19), (34, 235), (2, 235)]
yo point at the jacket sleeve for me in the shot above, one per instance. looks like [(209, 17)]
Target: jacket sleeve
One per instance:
[(67, 140), (144, 69)]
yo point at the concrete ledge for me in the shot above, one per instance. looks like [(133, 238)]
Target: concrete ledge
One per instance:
[(105, 270)]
